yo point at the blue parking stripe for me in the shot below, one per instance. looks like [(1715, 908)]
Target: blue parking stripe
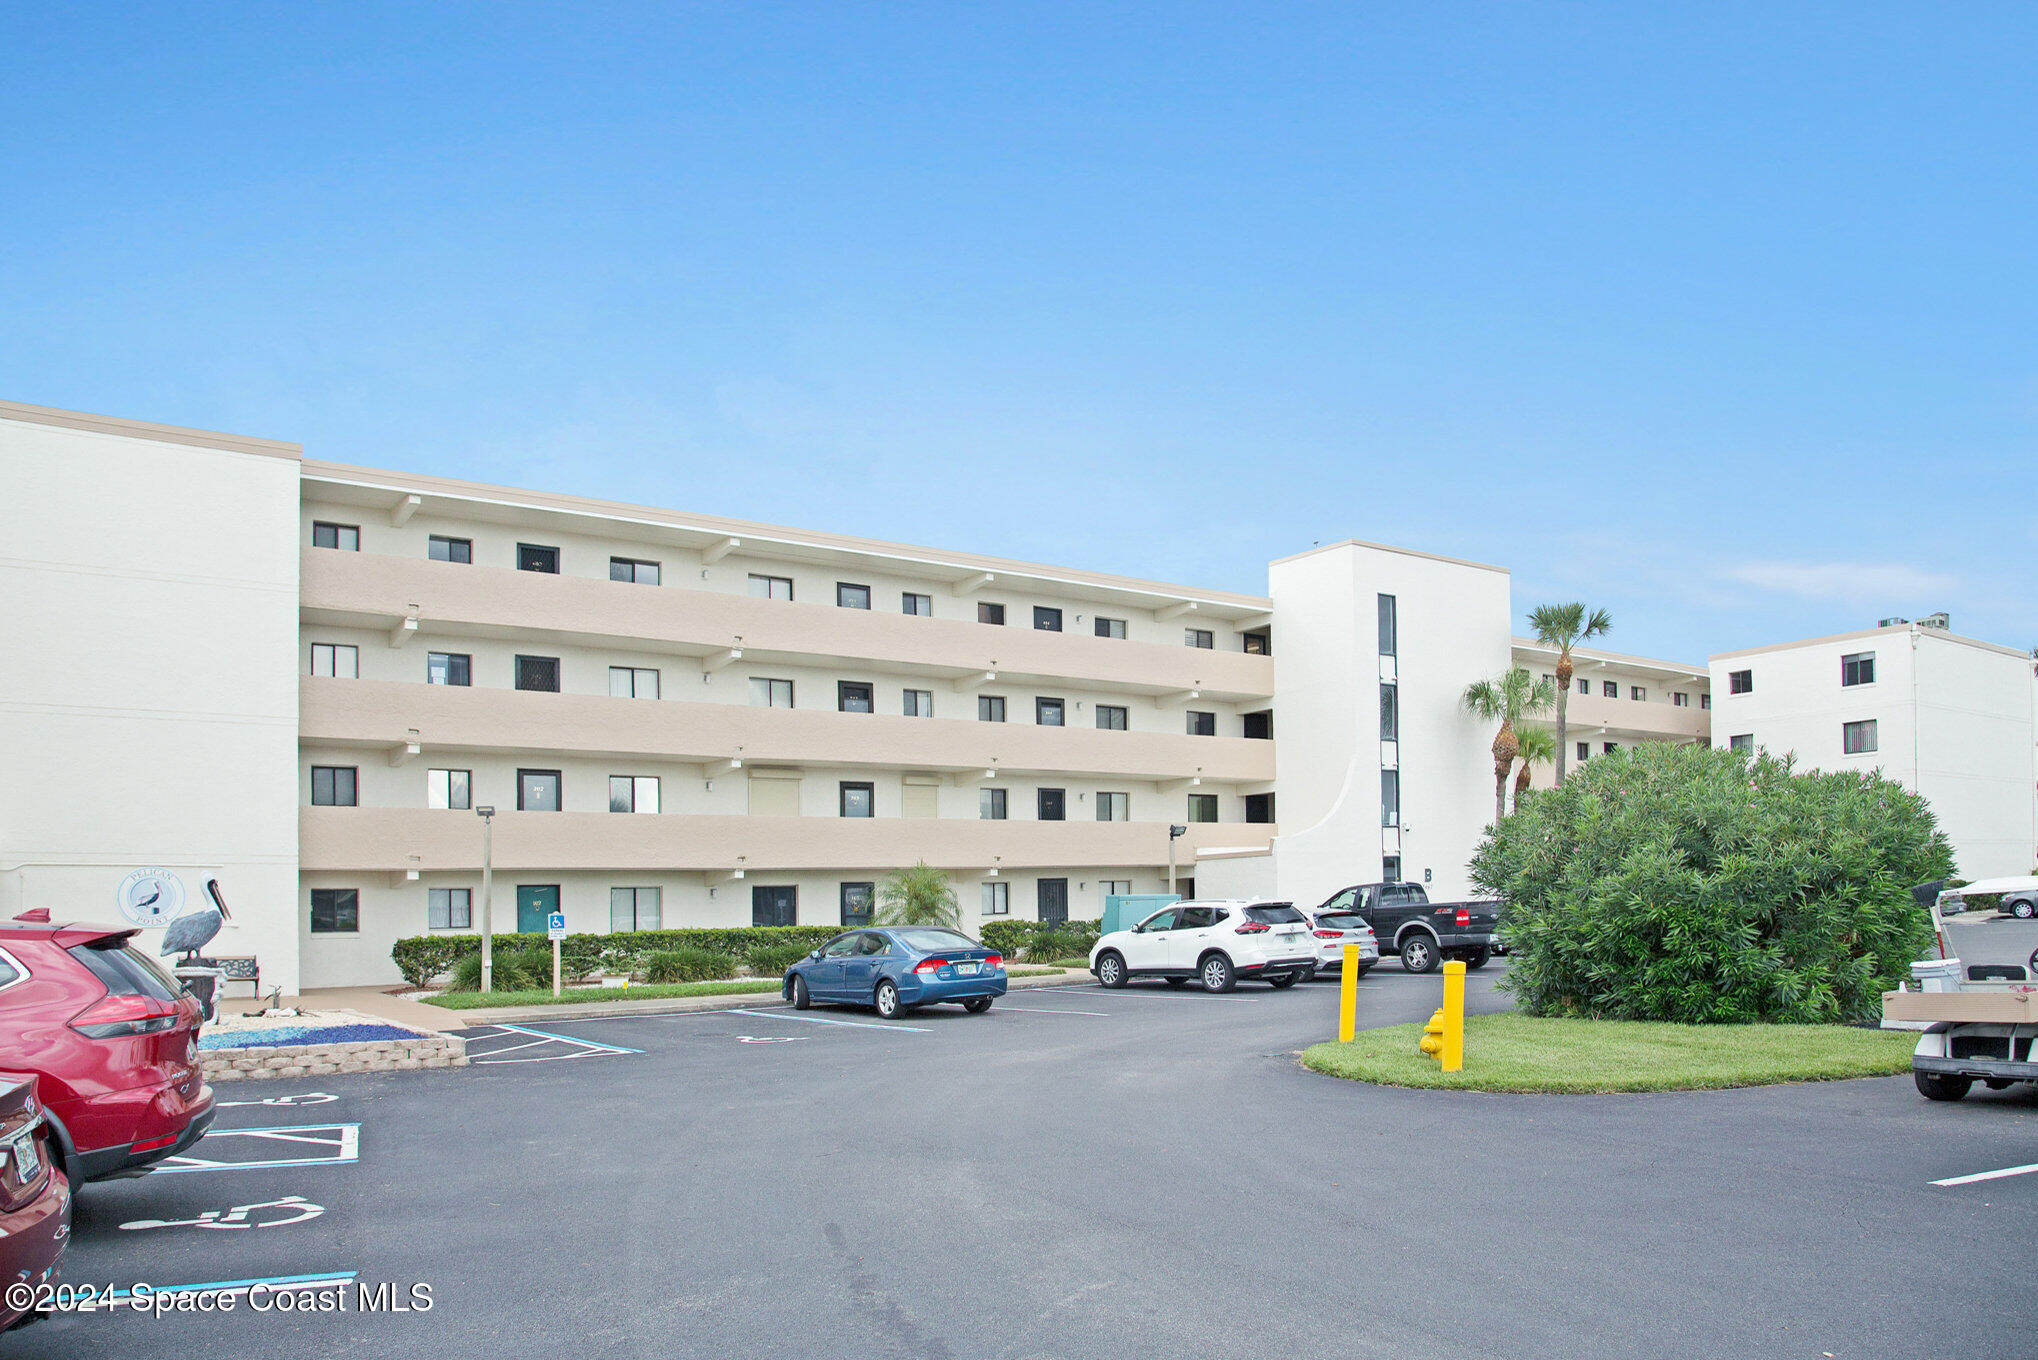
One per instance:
[(817, 1020)]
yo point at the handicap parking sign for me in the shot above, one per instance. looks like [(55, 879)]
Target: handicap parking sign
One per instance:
[(555, 925)]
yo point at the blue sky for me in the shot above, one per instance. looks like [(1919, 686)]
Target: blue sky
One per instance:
[(1721, 317)]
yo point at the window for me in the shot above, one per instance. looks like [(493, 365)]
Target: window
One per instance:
[(1857, 669), (633, 793), (1259, 807), (633, 682), (1390, 713), (1858, 738), (997, 899), (1744, 741), (630, 569), (1390, 868), (1679, 699), (1584, 685), (442, 549), (1609, 689), (919, 703), (537, 790), (991, 613), (1390, 798), (1202, 807), (991, 805), (1051, 805), (450, 908), (1111, 717), (1202, 724), (1259, 643), (1584, 750), (771, 587), (538, 673), (852, 596), (1110, 628), (449, 789), (854, 697), (335, 911), (339, 659), (1114, 807), (1607, 748), (1048, 712), (1199, 637), (1705, 701), (1638, 694), (1046, 620), (345, 537), (769, 693), (1116, 887), (636, 909), (856, 800), (1740, 682), (1388, 626), (990, 708), (535, 557), (1257, 726), (333, 785), (909, 603), (774, 905), (857, 901), (449, 668)]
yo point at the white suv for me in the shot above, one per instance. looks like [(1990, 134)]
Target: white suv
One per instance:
[(1216, 943)]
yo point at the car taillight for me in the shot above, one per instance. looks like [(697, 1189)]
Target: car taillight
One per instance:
[(154, 1143), (1464, 917), (1251, 928), (995, 961), (124, 1017), (930, 965), (1330, 934)]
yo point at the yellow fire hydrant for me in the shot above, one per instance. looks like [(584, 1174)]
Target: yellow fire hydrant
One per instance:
[(1443, 1038)]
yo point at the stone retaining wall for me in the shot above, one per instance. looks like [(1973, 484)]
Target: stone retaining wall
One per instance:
[(313, 1060)]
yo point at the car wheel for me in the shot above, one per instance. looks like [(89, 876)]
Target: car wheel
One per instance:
[(1476, 959), (1284, 981), (1110, 969), (1941, 1085), (1997, 1083), (1178, 982), (977, 1005), (2023, 911), (1307, 974), (1216, 974), (1359, 974), (1418, 953), (887, 999), (802, 998)]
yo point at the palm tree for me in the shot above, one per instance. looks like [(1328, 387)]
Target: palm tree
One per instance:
[(919, 896), (1536, 747), (1516, 695), (1559, 626)]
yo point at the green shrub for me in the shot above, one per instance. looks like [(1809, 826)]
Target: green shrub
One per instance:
[(1689, 884), (426, 956), (771, 960), (1014, 938), (688, 965), (510, 974), (429, 956)]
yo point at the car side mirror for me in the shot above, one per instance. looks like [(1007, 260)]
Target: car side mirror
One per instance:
[(815, 955)]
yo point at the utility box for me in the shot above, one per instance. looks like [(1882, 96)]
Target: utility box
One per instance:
[(1122, 911)]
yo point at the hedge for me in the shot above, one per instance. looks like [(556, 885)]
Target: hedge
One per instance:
[(1062, 938)]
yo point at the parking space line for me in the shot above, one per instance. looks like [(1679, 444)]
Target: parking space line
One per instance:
[(564, 1039), (1989, 1175), (274, 1282), (1044, 1010), (344, 1139), (817, 1020)]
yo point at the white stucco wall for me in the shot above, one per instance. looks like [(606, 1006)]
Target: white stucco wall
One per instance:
[(148, 696)]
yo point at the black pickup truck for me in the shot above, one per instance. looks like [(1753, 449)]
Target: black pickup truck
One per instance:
[(1422, 932)]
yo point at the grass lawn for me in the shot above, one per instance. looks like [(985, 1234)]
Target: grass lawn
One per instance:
[(1083, 964), (573, 996), (1030, 972), (1522, 1053)]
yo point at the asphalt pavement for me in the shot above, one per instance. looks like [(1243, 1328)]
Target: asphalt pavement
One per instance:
[(1077, 1173)]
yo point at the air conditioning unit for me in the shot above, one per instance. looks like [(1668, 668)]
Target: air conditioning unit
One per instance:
[(1891, 622), (1942, 621)]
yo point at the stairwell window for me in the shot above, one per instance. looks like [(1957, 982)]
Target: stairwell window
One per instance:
[(345, 537), (340, 660), (449, 668), (1390, 713), (333, 785), (1389, 627), (1857, 669), (1859, 738), (1390, 798), (450, 909)]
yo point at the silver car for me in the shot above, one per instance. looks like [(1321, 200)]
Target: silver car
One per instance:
[(1333, 930)]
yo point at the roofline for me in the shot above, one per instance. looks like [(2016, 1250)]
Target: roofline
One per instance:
[(1523, 644), (1386, 547), (1893, 629), (342, 474), (142, 429)]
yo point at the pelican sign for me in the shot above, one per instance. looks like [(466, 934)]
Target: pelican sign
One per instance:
[(150, 897)]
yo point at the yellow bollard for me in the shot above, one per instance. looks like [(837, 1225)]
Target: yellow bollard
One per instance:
[(1348, 996), (1453, 1056)]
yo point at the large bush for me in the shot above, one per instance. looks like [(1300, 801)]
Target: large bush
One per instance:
[(1691, 884), (1011, 938), (420, 958)]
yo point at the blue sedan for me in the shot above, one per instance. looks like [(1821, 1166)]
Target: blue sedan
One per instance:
[(896, 968)]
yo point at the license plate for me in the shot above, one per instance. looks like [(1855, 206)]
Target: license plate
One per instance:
[(966, 969), (26, 1160)]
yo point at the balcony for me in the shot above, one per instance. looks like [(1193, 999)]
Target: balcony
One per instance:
[(382, 713), (393, 840), (1639, 720), (369, 590)]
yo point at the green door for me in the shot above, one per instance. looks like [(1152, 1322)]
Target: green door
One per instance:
[(534, 904)]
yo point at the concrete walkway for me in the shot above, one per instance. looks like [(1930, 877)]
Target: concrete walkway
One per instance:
[(366, 1000)]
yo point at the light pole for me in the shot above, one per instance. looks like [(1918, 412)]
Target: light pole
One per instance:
[(1175, 833), (487, 816)]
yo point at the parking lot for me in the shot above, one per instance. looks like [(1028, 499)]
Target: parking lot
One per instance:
[(1078, 1173)]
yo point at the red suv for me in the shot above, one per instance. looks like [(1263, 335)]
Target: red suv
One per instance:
[(113, 1038)]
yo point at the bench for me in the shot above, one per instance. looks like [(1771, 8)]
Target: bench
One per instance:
[(240, 968)]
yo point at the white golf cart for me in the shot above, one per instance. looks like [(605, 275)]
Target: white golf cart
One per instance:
[(1980, 1021)]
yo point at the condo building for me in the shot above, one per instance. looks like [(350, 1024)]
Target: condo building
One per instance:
[(309, 681)]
